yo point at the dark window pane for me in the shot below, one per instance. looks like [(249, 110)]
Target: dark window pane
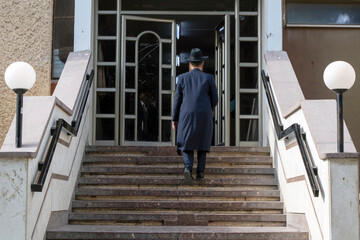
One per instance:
[(106, 77), (105, 103), (148, 89), (248, 51), (248, 77), (59, 59), (64, 8), (64, 33), (175, 5), (107, 25), (338, 14), (248, 26), (248, 5), (166, 131), (134, 28), (166, 79), (249, 130), (130, 77), (249, 103), (129, 129), (107, 51), (105, 128), (166, 105), (130, 51), (107, 4), (130, 103), (166, 53)]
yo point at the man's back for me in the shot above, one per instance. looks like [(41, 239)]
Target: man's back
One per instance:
[(196, 89)]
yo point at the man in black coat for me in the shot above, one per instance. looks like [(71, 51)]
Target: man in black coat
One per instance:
[(196, 96)]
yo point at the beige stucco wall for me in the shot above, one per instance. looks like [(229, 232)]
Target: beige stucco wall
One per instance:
[(25, 35)]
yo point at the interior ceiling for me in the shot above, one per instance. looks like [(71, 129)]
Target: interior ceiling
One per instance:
[(188, 24), (194, 23), (197, 31)]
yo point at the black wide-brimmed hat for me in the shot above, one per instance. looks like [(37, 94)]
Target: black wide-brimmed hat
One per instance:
[(196, 56)]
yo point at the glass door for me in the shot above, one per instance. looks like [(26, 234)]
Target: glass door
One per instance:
[(222, 80), (147, 81), (219, 79)]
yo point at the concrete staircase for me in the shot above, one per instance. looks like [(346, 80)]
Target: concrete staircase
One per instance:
[(139, 193)]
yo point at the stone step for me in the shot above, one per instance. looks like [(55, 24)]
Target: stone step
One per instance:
[(180, 194), (264, 181), (153, 160), (177, 165), (128, 169), (207, 219), (139, 193), (121, 205), (171, 150), (90, 232)]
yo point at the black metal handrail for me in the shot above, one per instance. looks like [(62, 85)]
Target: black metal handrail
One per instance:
[(295, 129), (43, 166)]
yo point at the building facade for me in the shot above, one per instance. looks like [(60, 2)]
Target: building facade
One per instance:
[(26, 35), (136, 48), (327, 31), (140, 46)]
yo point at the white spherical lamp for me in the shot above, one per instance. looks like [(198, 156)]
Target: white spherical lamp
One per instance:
[(20, 75), (339, 76)]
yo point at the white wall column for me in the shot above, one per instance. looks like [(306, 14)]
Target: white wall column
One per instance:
[(272, 40), (83, 35), (272, 25), (13, 192), (344, 197), (83, 29)]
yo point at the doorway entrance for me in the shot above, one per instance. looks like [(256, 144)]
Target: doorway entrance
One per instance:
[(149, 47), (148, 67), (139, 53)]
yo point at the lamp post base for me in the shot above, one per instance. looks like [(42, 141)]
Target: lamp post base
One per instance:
[(19, 112), (340, 122)]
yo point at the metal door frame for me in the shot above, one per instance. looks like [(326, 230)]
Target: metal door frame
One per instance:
[(97, 64), (238, 64), (224, 85), (123, 90)]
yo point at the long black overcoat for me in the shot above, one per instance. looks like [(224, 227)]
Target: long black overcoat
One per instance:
[(195, 97)]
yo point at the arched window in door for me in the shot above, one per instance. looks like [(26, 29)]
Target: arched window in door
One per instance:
[(148, 71)]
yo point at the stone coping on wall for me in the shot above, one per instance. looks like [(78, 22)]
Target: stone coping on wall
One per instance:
[(70, 82), (284, 82), (319, 114), (321, 118), (343, 155), (37, 111), (36, 116)]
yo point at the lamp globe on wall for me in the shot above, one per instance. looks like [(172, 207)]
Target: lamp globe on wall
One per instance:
[(339, 76), (19, 77)]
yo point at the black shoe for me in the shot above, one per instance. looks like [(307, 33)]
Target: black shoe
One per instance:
[(178, 151), (200, 176), (188, 178)]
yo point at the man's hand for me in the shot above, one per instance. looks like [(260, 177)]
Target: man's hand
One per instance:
[(174, 125)]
